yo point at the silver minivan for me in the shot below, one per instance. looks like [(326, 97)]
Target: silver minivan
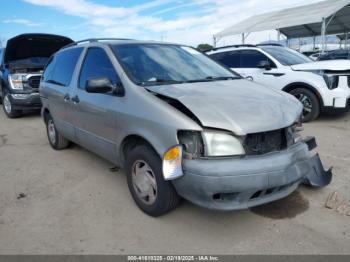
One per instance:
[(181, 125)]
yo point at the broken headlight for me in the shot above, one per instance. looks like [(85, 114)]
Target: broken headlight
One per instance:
[(192, 144), (16, 81)]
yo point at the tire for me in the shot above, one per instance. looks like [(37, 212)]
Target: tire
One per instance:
[(8, 107), (310, 103), (164, 197), (56, 140)]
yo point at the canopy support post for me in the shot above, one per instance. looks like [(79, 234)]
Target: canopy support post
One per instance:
[(346, 40), (323, 35), (214, 41), (278, 35), (243, 39), (314, 43)]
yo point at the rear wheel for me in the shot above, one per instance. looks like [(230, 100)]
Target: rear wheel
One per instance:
[(8, 107), (150, 191), (311, 105), (56, 140)]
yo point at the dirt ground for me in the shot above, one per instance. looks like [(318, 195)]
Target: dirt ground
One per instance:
[(69, 202)]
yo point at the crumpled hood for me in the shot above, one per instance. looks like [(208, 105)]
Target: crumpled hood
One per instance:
[(332, 65), (34, 45), (240, 106)]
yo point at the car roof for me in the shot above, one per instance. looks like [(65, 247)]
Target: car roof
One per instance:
[(241, 47), (114, 41)]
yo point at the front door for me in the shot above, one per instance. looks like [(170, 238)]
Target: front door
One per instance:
[(94, 114)]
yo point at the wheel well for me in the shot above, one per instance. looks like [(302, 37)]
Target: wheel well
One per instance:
[(46, 112), (293, 86), (129, 143)]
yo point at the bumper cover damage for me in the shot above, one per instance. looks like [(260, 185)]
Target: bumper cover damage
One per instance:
[(318, 176), (232, 184)]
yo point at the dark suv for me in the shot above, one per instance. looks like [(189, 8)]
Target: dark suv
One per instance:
[(335, 55), (21, 65)]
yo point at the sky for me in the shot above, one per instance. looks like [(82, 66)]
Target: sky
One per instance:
[(188, 22)]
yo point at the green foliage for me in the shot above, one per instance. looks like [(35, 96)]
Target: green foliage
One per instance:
[(204, 47)]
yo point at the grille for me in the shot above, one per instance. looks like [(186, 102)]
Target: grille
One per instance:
[(265, 142), (34, 81)]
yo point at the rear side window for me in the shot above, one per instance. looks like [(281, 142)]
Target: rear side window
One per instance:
[(97, 64), (228, 59), (251, 59), (60, 68), (340, 55)]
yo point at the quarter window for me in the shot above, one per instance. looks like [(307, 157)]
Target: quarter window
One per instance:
[(96, 65), (60, 68)]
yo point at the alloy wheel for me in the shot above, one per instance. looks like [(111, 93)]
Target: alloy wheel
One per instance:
[(7, 104), (307, 103)]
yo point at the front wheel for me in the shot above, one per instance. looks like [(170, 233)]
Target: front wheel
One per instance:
[(8, 107), (150, 191), (311, 105)]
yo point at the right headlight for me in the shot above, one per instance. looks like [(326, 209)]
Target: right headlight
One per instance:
[(222, 144), (332, 81), (16, 81)]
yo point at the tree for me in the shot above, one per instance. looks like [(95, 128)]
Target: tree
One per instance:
[(204, 47)]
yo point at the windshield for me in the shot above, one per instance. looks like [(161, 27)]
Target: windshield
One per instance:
[(154, 64), (287, 56)]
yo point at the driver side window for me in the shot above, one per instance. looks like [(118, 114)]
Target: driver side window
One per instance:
[(97, 64)]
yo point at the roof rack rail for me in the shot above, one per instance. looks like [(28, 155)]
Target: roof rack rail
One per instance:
[(230, 46), (92, 40), (270, 44)]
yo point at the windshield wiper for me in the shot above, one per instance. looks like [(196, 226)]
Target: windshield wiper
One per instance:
[(218, 78), (160, 81), (213, 78)]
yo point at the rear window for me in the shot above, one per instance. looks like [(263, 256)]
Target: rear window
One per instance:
[(60, 68)]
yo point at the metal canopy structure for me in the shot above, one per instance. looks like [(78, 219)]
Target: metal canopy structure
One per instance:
[(326, 17)]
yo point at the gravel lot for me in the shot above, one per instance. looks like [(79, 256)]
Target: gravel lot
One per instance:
[(69, 202)]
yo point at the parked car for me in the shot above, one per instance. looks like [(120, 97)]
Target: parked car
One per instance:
[(315, 56), (179, 123), (320, 86), (21, 65), (335, 55)]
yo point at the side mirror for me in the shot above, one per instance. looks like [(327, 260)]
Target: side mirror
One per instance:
[(119, 89), (99, 85), (264, 65)]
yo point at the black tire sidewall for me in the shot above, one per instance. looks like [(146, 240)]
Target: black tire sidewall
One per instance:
[(315, 111), (147, 154)]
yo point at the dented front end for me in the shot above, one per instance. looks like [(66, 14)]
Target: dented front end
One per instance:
[(249, 151), (231, 183)]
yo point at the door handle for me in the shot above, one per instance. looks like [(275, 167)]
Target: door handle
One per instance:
[(75, 99), (66, 98)]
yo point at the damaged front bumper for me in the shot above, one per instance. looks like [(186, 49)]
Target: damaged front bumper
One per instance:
[(232, 184)]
